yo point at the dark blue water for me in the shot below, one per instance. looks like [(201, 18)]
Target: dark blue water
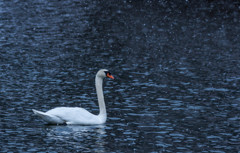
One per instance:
[(176, 64)]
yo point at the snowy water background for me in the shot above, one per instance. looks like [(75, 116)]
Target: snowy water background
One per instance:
[(176, 64)]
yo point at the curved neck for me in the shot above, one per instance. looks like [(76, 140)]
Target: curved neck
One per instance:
[(101, 103)]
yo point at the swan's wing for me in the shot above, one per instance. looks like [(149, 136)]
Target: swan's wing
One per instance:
[(74, 115), (52, 119)]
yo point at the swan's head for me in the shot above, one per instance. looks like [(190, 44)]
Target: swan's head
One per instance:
[(104, 73)]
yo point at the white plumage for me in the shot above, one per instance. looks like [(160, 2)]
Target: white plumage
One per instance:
[(77, 115)]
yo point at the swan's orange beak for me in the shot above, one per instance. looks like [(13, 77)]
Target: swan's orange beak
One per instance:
[(110, 76)]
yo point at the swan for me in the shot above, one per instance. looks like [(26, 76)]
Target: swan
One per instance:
[(77, 115)]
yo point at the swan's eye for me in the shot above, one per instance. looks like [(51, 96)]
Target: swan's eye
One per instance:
[(107, 72)]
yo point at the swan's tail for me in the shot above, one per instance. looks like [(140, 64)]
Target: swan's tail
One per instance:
[(51, 119)]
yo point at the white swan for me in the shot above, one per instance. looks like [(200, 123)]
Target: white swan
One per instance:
[(77, 115)]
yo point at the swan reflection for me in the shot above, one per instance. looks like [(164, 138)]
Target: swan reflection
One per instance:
[(86, 138)]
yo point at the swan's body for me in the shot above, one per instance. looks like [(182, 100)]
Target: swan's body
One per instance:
[(77, 115), (71, 115)]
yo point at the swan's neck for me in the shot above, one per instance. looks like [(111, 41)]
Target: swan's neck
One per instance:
[(101, 103)]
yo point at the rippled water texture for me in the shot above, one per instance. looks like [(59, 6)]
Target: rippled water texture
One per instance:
[(176, 64)]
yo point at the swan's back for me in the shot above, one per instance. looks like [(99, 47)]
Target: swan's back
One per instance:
[(75, 115)]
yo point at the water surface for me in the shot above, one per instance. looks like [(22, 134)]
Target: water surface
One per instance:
[(176, 66)]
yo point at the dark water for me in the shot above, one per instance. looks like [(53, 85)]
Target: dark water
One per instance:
[(176, 64)]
